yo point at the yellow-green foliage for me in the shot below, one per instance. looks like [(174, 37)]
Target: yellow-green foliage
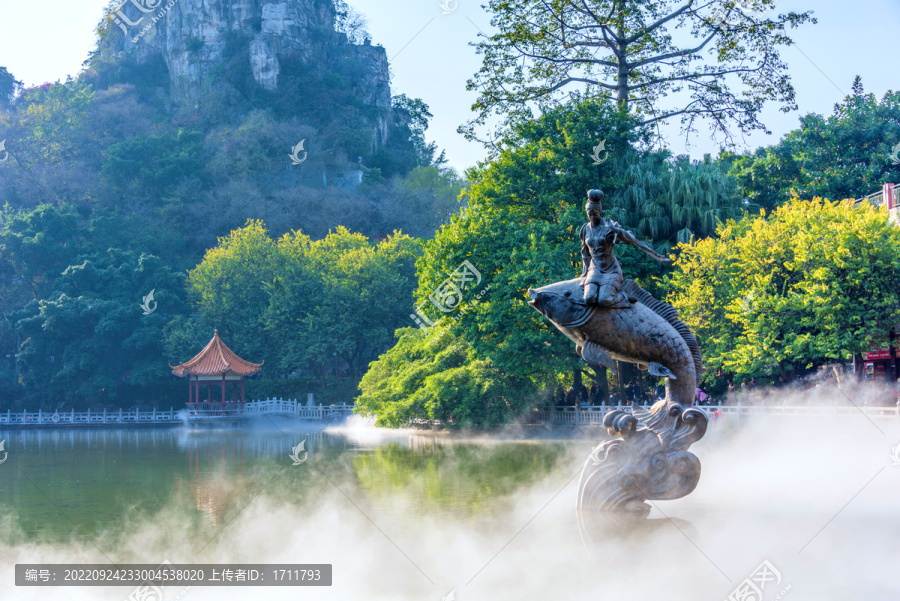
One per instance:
[(814, 282), (304, 304)]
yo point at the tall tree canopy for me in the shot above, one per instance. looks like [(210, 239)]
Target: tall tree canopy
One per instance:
[(91, 338), (302, 305), (718, 58), (845, 155), (813, 283)]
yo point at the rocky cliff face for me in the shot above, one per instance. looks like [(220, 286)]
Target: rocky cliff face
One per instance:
[(192, 36)]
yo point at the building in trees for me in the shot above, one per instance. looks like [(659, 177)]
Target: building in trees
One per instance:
[(217, 365)]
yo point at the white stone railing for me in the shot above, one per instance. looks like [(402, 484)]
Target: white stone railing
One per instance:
[(295, 408), (594, 415), (118, 416), (291, 408)]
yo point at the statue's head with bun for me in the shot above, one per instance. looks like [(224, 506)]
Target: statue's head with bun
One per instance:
[(594, 206)]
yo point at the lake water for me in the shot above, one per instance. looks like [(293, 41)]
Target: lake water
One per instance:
[(406, 515)]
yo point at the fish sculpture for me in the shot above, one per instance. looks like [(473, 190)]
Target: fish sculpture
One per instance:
[(647, 333), (648, 457)]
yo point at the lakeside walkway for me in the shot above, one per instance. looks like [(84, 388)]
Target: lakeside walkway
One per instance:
[(575, 416), (172, 417), (578, 416)]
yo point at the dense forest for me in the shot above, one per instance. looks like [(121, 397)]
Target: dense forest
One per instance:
[(117, 183)]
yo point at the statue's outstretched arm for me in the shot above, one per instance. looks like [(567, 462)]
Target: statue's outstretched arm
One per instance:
[(629, 238)]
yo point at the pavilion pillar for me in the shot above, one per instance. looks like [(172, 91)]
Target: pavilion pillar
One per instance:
[(190, 392), (242, 390), (223, 392)]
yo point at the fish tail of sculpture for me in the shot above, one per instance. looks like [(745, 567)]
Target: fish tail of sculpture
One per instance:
[(682, 389), (670, 314)]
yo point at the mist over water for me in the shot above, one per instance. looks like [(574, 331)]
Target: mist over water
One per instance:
[(412, 515)]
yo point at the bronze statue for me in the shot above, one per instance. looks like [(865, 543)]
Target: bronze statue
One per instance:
[(601, 274), (610, 318)]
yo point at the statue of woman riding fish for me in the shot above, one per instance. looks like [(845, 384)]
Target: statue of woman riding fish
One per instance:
[(613, 319)]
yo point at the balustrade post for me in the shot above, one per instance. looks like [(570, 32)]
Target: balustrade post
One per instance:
[(104, 416), (89, 415), (40, 416)]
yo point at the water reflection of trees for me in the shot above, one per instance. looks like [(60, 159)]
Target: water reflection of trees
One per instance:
[(226, 470), (101, 481), (432, 473)]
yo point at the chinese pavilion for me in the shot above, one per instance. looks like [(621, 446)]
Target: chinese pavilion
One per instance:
[(217, 365)]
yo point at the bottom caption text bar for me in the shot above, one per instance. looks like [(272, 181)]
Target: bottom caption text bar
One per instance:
[(168, 574)]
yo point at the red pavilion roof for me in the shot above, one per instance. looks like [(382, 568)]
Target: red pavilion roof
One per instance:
[(216, 359)]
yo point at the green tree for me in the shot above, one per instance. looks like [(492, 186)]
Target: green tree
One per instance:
[(434, 377), (91, 337), (720, 59), (525, 208), (338, 300), (814, 282), (51, 157), (40, 244), (846, 155), (9, 86), (147, 166), (419, 118), (669, 201), (231, 289), (304, 305)]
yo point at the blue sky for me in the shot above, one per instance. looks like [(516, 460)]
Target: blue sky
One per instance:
[(45, 40)]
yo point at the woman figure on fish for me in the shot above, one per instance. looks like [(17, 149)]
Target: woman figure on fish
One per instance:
[(601, 274)]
